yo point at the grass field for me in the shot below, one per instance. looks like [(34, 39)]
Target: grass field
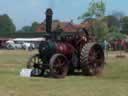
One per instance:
[(113, 81)]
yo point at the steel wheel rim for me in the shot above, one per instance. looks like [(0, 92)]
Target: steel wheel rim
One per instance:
[(36, 64), (59, 65)]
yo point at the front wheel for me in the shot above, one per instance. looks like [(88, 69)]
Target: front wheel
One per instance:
[(58, 66), (36, 64)]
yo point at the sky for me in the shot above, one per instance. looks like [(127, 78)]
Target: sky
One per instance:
[(24, 12)]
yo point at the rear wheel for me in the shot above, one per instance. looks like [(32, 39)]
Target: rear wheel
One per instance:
[(58, 66), (36, 64), (92, 59)]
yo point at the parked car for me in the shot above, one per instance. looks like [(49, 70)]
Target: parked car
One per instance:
[(13, 45), (23, 43)]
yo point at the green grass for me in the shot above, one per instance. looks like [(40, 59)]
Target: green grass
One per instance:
[(113, 81)]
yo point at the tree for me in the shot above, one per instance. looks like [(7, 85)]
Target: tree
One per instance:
[(112, 22), (124, 24), (115, 36), (34, 26), (96, 12), (119, 16), (25, 29), (31, 28), (100, 29), (6, 24)]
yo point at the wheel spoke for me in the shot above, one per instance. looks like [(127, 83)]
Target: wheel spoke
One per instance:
[(36, 64), (58, 65)]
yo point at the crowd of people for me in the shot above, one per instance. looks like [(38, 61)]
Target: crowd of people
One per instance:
[(115, 45)]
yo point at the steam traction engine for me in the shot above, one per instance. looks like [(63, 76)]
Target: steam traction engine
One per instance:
[(62, 54)]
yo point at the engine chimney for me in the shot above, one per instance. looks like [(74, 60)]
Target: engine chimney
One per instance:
[(49, 14)]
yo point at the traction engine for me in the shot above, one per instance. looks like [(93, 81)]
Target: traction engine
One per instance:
[(63, 53)]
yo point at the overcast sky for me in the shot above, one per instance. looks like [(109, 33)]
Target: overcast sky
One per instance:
[(24, 12)]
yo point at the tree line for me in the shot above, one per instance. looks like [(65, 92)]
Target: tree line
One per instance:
[(7, 25)]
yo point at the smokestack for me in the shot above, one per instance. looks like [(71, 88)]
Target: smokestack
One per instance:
[(49, 14)]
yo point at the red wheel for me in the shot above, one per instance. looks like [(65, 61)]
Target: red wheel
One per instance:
[(58, 66), (92, 59)]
